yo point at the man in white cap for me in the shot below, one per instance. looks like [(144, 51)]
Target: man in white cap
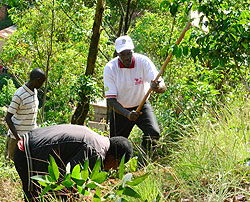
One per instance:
[(127, 78)]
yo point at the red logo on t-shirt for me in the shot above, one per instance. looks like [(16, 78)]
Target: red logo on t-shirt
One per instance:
[(138, 81)]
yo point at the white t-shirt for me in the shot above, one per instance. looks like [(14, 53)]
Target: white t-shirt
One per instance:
[(129, 85), (24, 107)]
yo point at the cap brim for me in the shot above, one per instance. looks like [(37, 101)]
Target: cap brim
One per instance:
[(128, 47)]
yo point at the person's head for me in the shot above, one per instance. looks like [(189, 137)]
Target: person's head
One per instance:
[(124, 47), (119, 146), (37, 77)]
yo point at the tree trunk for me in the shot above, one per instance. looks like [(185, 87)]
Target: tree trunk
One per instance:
[(82, 109), (50, 49), (126, 26)]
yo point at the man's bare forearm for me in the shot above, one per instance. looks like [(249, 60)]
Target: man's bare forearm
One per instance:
[(11, 125), (112, 102)]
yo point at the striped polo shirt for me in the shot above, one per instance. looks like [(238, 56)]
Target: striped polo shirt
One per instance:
[(24, 107)]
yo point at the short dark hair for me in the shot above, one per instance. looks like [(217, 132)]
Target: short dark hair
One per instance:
[(119, 146), (37, 73)]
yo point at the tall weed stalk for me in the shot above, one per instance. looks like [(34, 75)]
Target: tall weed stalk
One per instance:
[(209, 163)]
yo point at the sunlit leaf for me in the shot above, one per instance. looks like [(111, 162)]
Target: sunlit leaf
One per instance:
[(91, 185), (100, 177), (97, 196), (96, 168), (131, 192), (121, 167), (138, 180), (53, 169), (45, 190), (85, 171), (76, 172)]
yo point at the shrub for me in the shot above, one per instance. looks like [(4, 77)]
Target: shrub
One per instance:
[(7, 92)]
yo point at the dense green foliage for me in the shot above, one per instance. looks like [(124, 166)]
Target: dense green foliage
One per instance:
[(204, 136), (80, 181)]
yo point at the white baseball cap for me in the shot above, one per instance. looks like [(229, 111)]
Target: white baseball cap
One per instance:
[(123, 43)]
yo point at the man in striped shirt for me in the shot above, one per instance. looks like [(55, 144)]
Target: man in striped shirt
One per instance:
[(22, 112)]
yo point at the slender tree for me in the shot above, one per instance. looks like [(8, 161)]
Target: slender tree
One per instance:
[(83, 107)]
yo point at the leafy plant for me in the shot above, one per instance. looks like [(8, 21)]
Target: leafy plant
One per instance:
[(83, 182), (7, 92), (85, 85)]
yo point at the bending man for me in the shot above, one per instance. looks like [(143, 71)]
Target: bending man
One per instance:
[(67, 144)]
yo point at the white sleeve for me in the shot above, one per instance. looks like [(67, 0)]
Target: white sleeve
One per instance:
[(150, 70), (109, 82)]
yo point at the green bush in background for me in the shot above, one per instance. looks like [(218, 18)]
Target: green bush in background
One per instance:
[(7, 92)]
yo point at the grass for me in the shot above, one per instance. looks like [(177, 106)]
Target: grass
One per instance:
[(207, 164), (10, 184)]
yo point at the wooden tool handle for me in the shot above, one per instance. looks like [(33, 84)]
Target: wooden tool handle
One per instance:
[(164, 65)]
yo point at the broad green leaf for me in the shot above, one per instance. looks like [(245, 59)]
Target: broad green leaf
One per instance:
[(100, 177), (245, 45), (121, 168), (82, 191), (68, 183), (119, 192), (175, 49), (44, 184), (76, 172), (58, 187), (86, 165), (91, 185), (43, 179), (131, 192), (85, 171), (194, 52), (96, 168), (97, 196), (67, 177), (78, 181), (138, 180), (185, 50), (179, 52), (53, 169), (45, 190), (174, 8)]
